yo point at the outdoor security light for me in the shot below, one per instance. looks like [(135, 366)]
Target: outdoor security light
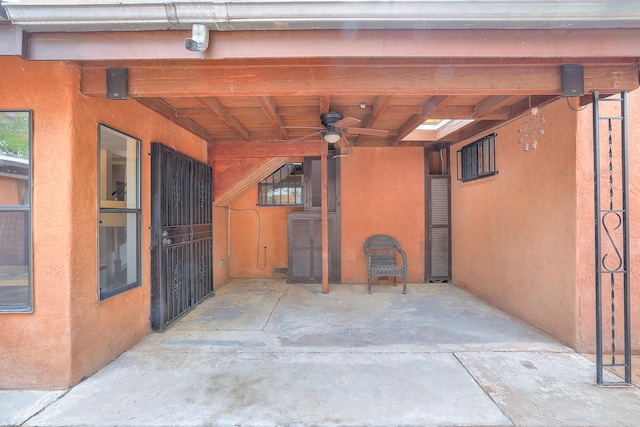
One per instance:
[(199, 41)]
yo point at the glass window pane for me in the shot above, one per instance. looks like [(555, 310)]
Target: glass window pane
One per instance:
[(118, 170), (119, 268), (14, 259), (14, 158)]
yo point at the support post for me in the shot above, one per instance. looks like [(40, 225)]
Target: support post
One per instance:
[(612, 259), (325, 218)]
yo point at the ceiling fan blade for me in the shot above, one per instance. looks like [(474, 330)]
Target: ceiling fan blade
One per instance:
[(366, 131), (303, 127), (306, 137), (347, 121)]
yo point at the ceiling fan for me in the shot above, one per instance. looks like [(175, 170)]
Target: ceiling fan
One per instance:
[(336, 127)]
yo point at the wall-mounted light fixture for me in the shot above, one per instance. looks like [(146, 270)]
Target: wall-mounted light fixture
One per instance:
[(199, 41)]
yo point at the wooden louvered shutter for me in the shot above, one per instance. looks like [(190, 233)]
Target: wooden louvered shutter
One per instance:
[(305, 248), (300, 248), (438, 253)]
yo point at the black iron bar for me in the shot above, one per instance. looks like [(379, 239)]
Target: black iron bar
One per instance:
[(625, 227), (596, 184)]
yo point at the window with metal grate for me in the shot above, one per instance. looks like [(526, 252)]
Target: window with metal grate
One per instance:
[(283, 187), (477, 160)]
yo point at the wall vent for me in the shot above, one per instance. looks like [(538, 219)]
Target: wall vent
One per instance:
[(280, 271)]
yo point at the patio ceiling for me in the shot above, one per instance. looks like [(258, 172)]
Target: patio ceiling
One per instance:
[(272, 86), (273, 67)]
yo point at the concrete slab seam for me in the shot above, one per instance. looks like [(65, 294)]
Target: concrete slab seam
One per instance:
[(46, 406), (483, 389), (282, 293)]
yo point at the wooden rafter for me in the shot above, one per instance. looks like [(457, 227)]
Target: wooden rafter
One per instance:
[(477, 129), (491, 104), (168, 112), (269, 108), (379, 106), (214, 106), (432, 105), (324, 104)]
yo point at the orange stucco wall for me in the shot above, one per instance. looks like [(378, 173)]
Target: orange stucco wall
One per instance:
[(35, 349), (250, 222), (70, 334), (382, 192), (585, 233), (514, 234), (221, 271)]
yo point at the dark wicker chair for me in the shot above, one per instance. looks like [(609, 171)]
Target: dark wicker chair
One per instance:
[(381, 251)]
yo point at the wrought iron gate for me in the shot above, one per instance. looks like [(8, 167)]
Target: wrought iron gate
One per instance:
[(182, 234), (611, 188)]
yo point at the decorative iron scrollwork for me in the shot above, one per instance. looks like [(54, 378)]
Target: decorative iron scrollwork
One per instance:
[(177, 190), (177, 278)]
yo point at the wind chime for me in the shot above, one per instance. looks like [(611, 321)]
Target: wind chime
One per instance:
[(530, 127)]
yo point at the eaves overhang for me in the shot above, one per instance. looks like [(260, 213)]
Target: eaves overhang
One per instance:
[(229, 15)]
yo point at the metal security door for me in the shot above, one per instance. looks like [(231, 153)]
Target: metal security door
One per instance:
[(182, 234)]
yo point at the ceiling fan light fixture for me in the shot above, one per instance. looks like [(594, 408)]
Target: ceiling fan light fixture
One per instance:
[(331, 136)]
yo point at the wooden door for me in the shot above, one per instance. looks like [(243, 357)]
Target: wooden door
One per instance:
[(438, 230), (305, 248)]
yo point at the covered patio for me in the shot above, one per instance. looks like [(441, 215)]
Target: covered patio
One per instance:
[(264, 352), (419, 84)]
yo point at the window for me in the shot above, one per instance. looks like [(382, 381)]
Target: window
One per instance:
[(119, 201), (15, 211), (478, 159), (283, 187)]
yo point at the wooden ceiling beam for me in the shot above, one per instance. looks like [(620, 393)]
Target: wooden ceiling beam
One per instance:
[(168, 112), (269, 108), (431, 106), (390, 80), (219, 111), (307, 148), (428, 43), (192, 112), (325, 102)]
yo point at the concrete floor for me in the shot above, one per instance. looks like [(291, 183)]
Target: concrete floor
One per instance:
[(265, 353)]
